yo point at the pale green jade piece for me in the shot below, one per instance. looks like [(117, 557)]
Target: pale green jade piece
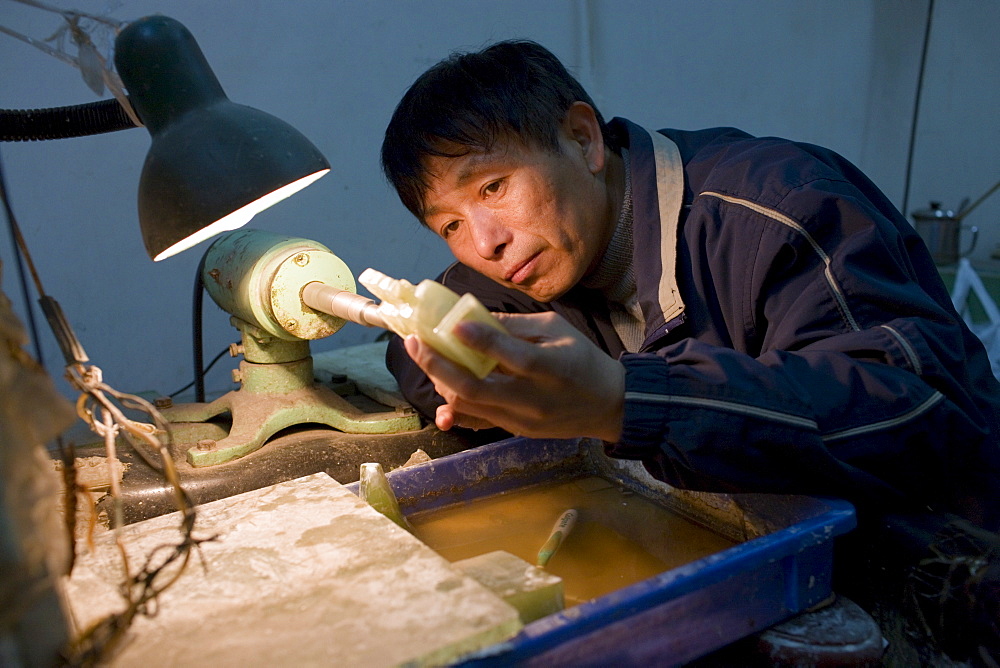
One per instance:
[(430, 311), (535, 592)]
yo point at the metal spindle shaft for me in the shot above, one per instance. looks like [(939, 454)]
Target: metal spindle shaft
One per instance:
[(343, 304)]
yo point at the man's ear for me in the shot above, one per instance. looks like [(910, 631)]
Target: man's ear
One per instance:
[(582, 128)]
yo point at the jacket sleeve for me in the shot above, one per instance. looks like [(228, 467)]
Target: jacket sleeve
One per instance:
[(846, 371)]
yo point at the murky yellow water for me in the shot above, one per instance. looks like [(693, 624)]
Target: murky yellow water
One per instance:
[(620, 538)]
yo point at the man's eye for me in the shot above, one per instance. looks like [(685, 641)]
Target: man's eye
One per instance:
[(493, 187), (449, 229)]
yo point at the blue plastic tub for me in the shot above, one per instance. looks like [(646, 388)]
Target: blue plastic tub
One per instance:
[(781, 565)]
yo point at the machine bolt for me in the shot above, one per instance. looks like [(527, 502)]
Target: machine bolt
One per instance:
[(237, 376), (235, 349), (163, 402), (302, 259), (291, 324), (206, 444)]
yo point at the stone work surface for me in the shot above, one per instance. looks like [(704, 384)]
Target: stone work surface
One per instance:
[(302, 573)]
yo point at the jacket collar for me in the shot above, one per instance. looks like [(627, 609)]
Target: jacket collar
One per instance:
[(657, 195)]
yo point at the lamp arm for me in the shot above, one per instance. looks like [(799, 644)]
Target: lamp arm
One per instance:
[(63, 122)]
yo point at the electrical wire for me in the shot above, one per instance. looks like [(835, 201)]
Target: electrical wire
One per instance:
[(197, 344), (204, 371), (916, 107), (19, 259), (97, 406), (102, 407)]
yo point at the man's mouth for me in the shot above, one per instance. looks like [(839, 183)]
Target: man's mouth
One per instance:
[(520, 272)]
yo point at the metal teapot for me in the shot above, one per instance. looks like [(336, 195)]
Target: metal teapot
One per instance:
[(941, 229)]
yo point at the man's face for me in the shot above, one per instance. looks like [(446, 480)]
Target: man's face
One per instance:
[(530, 219)]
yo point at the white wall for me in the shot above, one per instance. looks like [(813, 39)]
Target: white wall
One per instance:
[(842, 74)]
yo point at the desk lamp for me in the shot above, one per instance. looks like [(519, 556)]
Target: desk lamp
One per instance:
[(212, 166)]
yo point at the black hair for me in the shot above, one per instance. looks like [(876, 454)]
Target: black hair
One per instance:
[(515, 90)]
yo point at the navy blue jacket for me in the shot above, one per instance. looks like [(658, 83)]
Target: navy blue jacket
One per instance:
[(799, 338)]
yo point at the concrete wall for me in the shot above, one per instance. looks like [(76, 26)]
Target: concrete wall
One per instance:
[(842, 74)]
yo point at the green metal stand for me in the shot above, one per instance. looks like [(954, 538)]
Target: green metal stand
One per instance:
[(278, 391)]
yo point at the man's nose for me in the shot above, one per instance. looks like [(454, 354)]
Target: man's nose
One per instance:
[(489, 233)]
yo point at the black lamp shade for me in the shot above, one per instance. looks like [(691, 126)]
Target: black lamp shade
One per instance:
[(213, 164)]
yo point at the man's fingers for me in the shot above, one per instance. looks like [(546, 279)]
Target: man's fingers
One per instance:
[(442, 371), (453, 382), (411, 344), (447, 417), (546, 370), (530, 326), (444, 417), (513, 352)]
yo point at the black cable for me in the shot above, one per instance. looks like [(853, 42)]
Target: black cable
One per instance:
[(916, 108), (196, 336), (207, 369), (19, 261)]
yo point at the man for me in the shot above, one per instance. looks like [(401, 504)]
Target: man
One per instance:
[(738, 313)]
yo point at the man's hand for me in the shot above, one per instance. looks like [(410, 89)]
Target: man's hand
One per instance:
[(550, 381)]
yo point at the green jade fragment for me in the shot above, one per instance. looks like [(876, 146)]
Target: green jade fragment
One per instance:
[(374, 488), (535, 592), (560, 530)]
